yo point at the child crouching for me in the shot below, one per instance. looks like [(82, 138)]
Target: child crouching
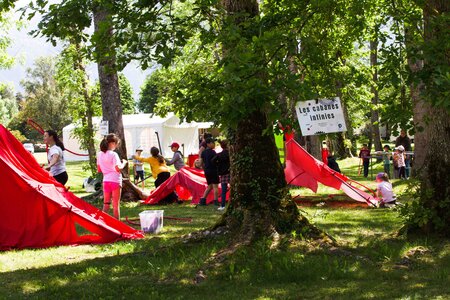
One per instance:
[(385, 194)]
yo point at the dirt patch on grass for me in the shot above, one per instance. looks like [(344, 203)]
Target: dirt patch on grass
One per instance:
[(334, 201)]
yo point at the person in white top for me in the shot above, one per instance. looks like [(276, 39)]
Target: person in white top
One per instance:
[(385, 194), (108, 163), (401, 162), (55, 157)]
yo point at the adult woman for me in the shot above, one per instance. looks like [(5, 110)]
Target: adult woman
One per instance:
[(55, 157), (108, 163)]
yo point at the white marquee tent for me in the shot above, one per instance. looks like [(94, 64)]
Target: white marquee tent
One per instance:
[(140, 130)]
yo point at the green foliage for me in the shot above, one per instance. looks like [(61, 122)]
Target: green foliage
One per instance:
[(126, 95), (18, 135), (45, 101), (148, 97), (424, 212), (8, 104), (6, 60)]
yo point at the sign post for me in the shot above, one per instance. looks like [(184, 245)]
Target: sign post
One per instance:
[(104, 127), (320, 116)]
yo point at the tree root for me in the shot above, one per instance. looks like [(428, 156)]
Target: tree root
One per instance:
[(246, 238)]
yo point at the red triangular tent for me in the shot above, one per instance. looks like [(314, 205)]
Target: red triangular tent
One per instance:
[(302, 169), (39, 212), (188, 182)]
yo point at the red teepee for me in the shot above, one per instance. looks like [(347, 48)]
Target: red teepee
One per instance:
[(39, 212)]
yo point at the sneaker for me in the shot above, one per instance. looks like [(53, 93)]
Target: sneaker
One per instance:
[(221, 208)]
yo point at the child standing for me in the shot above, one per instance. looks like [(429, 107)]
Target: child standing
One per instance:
[(384, 190), (177, 160), (364, 155), (108, 163), (139, 169), (401, 162), (211, 174), (160, 172), (387, 160), (223, 169)]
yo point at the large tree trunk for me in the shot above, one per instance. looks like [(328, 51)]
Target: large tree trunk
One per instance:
[(261, 205), (110, 92), (432, 138), (376, 137), (260, 201), (314, 147)]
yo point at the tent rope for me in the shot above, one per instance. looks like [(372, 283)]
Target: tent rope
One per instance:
[(39, 129)]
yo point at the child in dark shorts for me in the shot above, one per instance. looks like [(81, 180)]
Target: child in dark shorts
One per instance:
[(211, 173)]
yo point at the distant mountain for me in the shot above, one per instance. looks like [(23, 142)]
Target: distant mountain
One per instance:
[(26, 49)]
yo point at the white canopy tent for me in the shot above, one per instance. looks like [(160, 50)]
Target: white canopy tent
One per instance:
[(140, 130)]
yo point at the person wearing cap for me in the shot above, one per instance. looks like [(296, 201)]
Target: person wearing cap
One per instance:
[(211, 172), (177, 160), (385, 193), (400, 151), (139, 168)]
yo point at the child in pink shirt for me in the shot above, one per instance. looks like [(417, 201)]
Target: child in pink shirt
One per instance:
[(108, 163)]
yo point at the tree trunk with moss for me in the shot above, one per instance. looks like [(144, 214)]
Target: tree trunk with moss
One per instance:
[(261, 205), (432, 139)]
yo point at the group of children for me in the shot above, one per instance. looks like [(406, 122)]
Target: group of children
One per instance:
[(398, 158), (215, 165)]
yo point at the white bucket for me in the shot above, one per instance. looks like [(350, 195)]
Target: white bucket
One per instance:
[(151, 220)]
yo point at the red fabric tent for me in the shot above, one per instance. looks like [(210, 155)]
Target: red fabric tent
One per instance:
[(188, 182), (302, 169), (39, 212)]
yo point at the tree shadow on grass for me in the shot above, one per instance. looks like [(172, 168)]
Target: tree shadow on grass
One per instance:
[(251, 273), (158, 269)]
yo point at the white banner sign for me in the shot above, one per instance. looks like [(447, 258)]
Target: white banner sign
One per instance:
[(104, 128), (320, 116)]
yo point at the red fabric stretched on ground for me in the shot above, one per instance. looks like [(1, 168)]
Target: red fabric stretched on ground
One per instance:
[(37, 211), (188, 182), (302, 169)]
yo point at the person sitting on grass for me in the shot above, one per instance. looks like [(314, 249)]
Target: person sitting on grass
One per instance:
[(385, 194), (211, 172), (177, 160)]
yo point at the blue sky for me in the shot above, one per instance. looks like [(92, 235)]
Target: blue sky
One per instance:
[(26, 49)]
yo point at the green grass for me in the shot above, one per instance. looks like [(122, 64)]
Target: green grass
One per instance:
[(365, 266)]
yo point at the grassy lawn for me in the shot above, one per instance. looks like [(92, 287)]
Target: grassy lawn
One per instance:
[(371, 262)]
